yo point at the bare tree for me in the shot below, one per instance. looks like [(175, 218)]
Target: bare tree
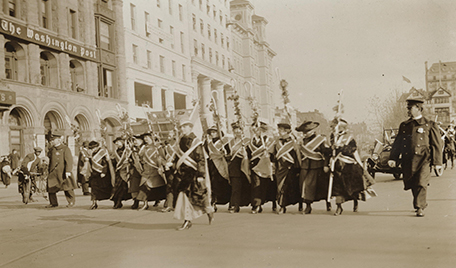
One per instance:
[(387, 112)]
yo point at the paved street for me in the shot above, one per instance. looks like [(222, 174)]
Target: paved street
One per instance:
[(384, 233)]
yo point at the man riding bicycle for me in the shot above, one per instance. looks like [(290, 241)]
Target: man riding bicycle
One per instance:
[(29, 165)]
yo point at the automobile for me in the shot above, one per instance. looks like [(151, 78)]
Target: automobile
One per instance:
[(378, 160)]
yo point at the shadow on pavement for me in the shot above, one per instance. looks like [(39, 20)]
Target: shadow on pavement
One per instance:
[(82, 219)]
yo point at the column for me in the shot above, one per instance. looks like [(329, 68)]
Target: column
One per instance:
[(221, 105)]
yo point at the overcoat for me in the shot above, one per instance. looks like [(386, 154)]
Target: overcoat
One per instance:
[(61, 161), (417, 145)]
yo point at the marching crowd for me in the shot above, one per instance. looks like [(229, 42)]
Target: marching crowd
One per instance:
[(193, 176)]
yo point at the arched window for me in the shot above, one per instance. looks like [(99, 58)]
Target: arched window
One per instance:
[(77, 76), (48, 69), (15, 68)]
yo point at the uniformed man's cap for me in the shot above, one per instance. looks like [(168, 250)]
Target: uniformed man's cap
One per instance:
[(85, 144), (211, 129), (37, 149), (413, 101), (56, 134), (307, 126), (93, 144)]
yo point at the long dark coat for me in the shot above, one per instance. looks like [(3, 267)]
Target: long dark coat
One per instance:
[(420, 145), (60, 162)]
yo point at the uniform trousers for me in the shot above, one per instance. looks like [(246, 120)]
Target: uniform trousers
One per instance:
[(70, 197)]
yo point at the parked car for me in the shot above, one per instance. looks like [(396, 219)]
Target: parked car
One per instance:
[(378, 160)]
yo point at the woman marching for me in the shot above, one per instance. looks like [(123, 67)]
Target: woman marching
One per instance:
[(121, 162), (190, 165), (100, 178), (152, 186)]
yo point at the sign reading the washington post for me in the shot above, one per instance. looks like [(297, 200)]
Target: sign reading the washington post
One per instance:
[(44, 39)]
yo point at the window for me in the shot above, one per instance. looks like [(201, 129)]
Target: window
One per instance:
[(106, 82), (162, 64), (215, 36), (216, 58), (226, 21), (146, 22), (184, 71), (149, 59), (179, 101), (48, 69), (11, 63), (161, 40), (158, 3), (143, 95), (194, 21), (45, 11), (163, 98), (182, 42), (170, 7), (223, 61), (135, 53), (12, 8), (132, 16), (195, 46), (72, 22), (227, 43), (210, 55), (209, 31), (173, 66), (208, 8), (443, 114), (181, 13), (202, 27), (76, 76), (201, 4), (215, 13), (222, 40), (159, 23), (203, 51), (221, 18), (442, 100), (105, 36), (171, 31)]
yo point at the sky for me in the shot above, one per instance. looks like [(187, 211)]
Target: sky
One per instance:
[(361, 47)]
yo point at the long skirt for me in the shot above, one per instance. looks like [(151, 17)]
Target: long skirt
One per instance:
[(313, 184), (241, 193), (221, 188), (288, 191), (151, 194), (101, 187), (120, 190), (348, 182), (263, 190)]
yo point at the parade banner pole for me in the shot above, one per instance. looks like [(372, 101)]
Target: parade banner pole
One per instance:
[(333, 157)]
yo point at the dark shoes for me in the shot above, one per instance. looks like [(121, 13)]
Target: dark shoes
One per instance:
[(86, 193), (282, 210), (70, 205), (328, 206), (419, 213), (51, 206), (339, 210), (308, 209), (135, 204), (234, 209), (186, 225), (145, 206), (118, 205), (94, 206), (157, 203)]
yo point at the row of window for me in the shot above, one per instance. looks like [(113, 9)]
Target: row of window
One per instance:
[(209, 33), (16, 69), (144, 96), (163, 69), (14, 7), (208, 5), (212, 58)]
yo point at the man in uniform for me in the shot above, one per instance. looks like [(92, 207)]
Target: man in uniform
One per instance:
[(418, 146), (60, 166), (29, 164)]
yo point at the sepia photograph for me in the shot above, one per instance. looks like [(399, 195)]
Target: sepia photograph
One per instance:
[(228, 133)]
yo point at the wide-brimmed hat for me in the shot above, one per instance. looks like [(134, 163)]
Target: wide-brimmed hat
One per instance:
[(307, 126), (212, 129), (38, 149), (93, 144)]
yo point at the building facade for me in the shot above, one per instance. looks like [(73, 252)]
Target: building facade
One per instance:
[(441, 91), (62, 61), (158, 58), (251, 61)]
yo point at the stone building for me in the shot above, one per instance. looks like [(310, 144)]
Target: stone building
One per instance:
[(62, 61), (158, 56), (252, 57)]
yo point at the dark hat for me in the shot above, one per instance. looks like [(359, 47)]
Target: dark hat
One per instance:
[(211, 129), (307, 126), (56, 134), (413, 101), (235, 125), (284, 125), (85, 144), (37, 149), (93, 144)]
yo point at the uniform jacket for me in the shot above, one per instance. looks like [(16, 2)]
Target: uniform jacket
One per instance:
[(61, 161), (420, 145), (30, 163)]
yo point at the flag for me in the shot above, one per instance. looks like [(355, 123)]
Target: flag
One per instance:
[(192, 115), (406, 79)]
